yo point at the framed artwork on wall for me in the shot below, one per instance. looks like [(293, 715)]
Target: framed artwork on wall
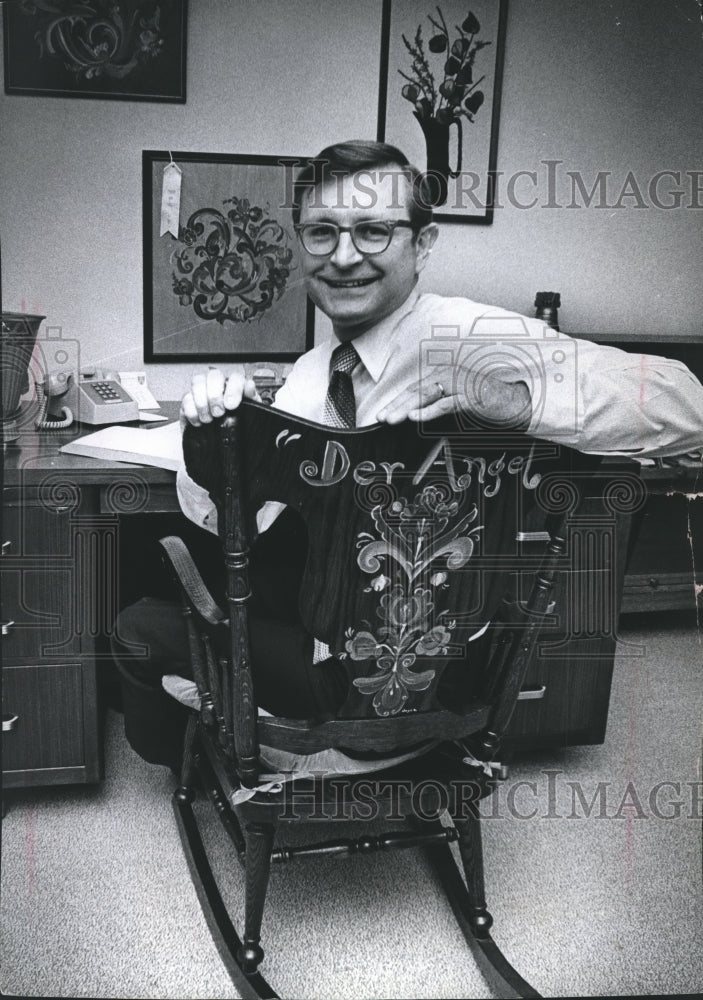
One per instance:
[(127, 50), (222, 279), (439, 99)]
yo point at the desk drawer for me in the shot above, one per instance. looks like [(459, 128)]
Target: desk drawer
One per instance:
[(44, 725), (570, 688), (136, 496), (36, 612), (36, 573), (36, 525), (665, 570), (662, 591)]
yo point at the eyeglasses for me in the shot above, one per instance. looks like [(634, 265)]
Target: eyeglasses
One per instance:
[(322, 238)]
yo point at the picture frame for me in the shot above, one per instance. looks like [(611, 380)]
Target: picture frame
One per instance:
[(124, 50), (229, 286), (439, 98)]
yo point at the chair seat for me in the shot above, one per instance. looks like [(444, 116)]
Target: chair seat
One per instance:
[(441, 773), (281, 766)]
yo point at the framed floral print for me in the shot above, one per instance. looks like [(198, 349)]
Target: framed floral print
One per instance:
[(222, 278), (439, 99), (128, 50)]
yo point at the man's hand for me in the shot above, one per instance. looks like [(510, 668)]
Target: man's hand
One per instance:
[(211, 395), (492, 401)]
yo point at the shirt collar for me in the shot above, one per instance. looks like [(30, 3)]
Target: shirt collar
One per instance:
[(375, 345)]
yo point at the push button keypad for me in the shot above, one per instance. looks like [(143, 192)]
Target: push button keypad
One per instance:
[(106, 391)]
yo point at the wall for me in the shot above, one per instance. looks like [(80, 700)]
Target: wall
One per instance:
[(612, 85)]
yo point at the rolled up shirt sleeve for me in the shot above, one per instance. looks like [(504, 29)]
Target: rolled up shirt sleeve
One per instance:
[(606, 401), (195, 502)]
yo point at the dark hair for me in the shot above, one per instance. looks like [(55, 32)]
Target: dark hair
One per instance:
[(346, 158)]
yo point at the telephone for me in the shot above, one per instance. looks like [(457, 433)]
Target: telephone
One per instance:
[(89, 397)]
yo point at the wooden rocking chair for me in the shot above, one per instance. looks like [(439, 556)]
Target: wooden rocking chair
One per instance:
[(412, 565)]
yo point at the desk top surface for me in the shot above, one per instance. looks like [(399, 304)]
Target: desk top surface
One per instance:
[(36, 453)]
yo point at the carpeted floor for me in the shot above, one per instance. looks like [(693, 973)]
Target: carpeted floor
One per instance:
[(96, 900)]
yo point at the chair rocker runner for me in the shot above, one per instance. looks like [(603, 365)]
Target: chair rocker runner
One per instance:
[(413, 583)]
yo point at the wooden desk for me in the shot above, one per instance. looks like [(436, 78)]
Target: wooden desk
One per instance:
[(61, 589), (665, 569), (60, 592)]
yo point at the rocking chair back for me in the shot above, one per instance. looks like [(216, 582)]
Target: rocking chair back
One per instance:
[(412, 565)]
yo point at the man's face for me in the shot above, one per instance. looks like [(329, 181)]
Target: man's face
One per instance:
[(358, 290)]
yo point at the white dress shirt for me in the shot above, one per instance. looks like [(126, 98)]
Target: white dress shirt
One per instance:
[(596, 399)]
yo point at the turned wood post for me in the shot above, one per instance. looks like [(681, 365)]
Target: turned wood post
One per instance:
[(235, 542), (468, 827), (259, 844)]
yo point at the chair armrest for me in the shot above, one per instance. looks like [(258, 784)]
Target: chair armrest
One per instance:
[(191, 580)]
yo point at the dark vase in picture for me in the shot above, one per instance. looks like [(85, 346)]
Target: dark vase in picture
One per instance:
[(547, 305), (437, 134)]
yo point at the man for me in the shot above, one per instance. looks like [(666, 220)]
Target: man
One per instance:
[(366, 233)]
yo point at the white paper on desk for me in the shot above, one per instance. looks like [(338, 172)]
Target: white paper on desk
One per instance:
[(136, 385), (150, 418), (161, 447)]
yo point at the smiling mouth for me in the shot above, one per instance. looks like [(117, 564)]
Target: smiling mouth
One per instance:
[(356, 283)]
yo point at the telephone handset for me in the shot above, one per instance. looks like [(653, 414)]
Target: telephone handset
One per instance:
[(90, 398)]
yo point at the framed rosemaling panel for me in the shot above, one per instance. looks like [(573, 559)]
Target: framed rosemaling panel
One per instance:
[(222, 275), (128, 50), (439, 98)]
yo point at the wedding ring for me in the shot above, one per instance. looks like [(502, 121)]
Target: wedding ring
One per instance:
[(441, 389)]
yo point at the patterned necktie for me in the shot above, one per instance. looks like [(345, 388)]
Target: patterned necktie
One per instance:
[(340, 405)]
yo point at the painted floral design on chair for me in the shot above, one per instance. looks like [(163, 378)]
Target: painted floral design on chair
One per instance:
[(234, 267), (416, 543)]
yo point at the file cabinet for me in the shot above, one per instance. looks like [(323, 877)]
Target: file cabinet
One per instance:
[(49, 692), (59, 582)]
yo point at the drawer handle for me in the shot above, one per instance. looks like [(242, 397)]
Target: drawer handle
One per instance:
[(653, 582), (8, 721), (5, 627), (532, 693), (532, 536), (6, 547)]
